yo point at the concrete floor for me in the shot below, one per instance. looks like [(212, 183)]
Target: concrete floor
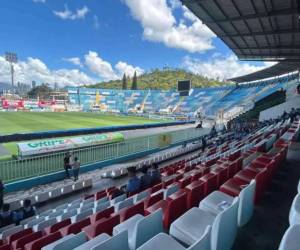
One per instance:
[(270, 219)]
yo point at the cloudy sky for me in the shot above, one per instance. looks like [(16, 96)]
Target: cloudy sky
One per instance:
[(75, 42)]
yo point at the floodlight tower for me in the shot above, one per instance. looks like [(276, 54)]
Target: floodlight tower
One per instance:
[(11, 58)]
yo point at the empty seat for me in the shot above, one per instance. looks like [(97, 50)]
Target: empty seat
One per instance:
[(55, 227), (141, 229), (141, 196), (43, 241), (195, 193), (170, 190), (153, 199), (75, 227), (87, 206), (42, 197), (104, 225), (68, 214), (214, 202), (116, 242), (191, 226), (55, 214), (101, 194), (102, 206), (163, 241), (46, 213), (18, 235), (20, 243), (62, 207), (93, 242), (122, 204), (291, 239), (82, 215), (102, 214), (2, 229), (11, 231), (118, 199), (211, 182), (128, 212), (68, 242), (47, 223)]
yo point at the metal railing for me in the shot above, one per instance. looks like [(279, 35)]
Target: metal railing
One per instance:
[(13, 170)]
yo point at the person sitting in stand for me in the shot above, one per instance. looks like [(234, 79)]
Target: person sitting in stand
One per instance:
[(6, 216), (28, 209), (154, 174), (145, 179), (134, 183)]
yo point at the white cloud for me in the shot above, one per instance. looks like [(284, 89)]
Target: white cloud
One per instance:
[(160, 25), (34, 69), (221, 67), (123, 67), (105, 71), (68, 14), (74, 60), (101, 68), (39, 1)]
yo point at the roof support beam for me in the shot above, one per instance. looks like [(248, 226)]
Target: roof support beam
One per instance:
[(271, 32)]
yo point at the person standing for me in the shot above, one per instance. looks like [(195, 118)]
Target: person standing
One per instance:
[(76, 168), (1, 193), (203, 142), (67, 164)]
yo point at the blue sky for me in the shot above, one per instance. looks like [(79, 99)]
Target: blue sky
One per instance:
[(83, 41)]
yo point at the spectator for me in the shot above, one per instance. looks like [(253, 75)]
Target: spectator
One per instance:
[(67, 163), (18, 215), (155, 174), (6, 216), (1, 193), (76, 168), (145, 179), (134, 183), (28, 209)]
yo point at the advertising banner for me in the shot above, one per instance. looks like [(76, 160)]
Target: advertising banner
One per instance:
[(30, 148)]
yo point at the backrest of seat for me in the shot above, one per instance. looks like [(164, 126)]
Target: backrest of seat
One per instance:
[(224, 228), (246, 203), (102, 206), (128, 212), (18, 235), (20, 243), (59, 225), (2, 229), (43, 241), (104, 213), (36, 221), (102, 200), (76, 227), (204, 242), (41, 226), (107, 225), (83, 214), (93, 242), (118, 199), (56, 213), (142, 195), (87, 206), (119, 241), (176, 208), (171, 190), (69, 243), (122, 204), (147, 228), (11, 231), (69, 214), (101, 194), (290, 239), (153, 199), (261, 182)]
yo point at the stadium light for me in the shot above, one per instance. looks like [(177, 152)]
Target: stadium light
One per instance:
[(11, 58)]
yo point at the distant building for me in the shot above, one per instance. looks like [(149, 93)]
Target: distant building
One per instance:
[(33, 84)]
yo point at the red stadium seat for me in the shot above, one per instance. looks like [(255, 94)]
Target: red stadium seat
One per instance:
[(102, 214), (104, 225), (196, 175), (185, 181), (5, 247), (153, 199), (18, 235), (211, 182), (89, 196), (221, 175), (172, 209), (75, 228), (20, 243), (128, 212), (156, 188), (168, 182), (195, 193), (57, 226), (100, 194), (44, 241)]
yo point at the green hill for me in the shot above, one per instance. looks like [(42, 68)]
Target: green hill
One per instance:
[(162, 79)]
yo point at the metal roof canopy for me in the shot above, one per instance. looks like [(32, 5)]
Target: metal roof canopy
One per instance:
[(278, 69), (267, 30)]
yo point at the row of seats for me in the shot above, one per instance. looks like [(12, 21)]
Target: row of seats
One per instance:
[(129, 222)]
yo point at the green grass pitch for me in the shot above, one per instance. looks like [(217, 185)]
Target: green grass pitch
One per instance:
[(24, 122)]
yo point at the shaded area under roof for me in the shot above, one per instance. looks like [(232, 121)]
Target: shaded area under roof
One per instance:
[(280, 68), (267, 30)]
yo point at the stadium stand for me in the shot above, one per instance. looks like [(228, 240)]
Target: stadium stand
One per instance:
[(139, 221)]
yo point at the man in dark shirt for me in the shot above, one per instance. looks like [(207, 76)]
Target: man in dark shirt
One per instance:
[(145, 179), (67, 164), (6, 216), (154, 174)]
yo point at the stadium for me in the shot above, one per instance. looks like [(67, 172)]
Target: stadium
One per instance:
[(212, 167)]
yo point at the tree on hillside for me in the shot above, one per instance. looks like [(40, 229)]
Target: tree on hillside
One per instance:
[(43, 91), (124, 82), (134, 82)]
